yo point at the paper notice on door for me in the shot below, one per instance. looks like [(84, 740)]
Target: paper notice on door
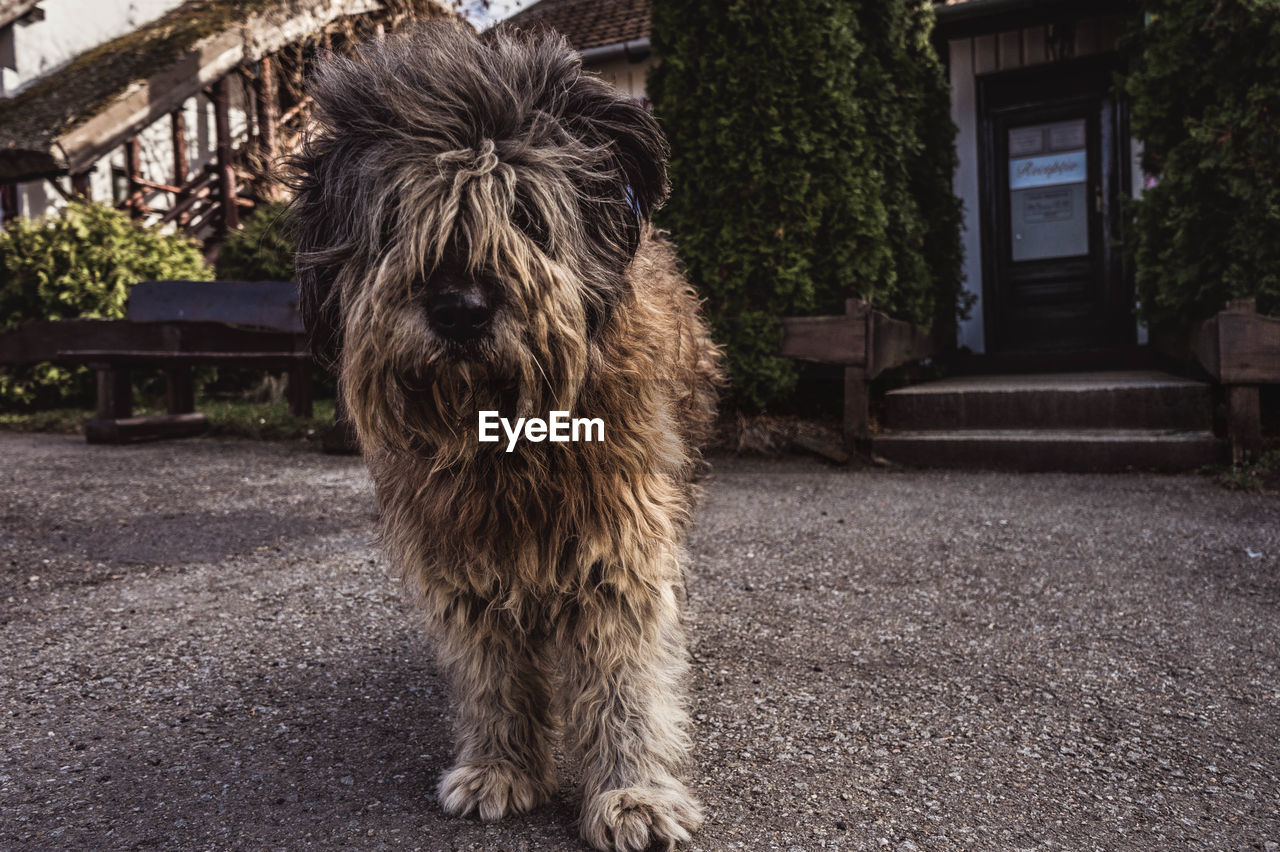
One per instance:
[(1026, 140), (1066, 136), (1048, 223), (1046, 205)]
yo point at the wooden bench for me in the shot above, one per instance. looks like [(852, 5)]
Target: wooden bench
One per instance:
[(865, 342), (174, 325), (1240, 349)]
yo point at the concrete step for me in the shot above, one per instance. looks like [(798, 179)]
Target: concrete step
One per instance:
[(1051, 449), (1137, 399)]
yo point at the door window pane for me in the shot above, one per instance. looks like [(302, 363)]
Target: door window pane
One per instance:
[(1048, 198)]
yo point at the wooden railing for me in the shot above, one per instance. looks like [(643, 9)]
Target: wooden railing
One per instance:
[(1240, 349), (865, 342)]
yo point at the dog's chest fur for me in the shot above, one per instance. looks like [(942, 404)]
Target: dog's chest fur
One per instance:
[(544, 516)]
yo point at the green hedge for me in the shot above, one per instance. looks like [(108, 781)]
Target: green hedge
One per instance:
[(262, 250), (80, 262), (1205, 93), (812, 153)]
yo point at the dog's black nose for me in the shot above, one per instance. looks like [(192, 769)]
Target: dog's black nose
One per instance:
[(459, 315)]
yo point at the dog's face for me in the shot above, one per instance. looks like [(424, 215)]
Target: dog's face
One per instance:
[(467, 208)]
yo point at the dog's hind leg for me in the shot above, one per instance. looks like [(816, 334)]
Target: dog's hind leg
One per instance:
[(624, 659), (500, 688)]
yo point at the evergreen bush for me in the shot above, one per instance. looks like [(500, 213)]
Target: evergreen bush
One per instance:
[(80, 262), (262, 250), (1205, 95), (812, 153)]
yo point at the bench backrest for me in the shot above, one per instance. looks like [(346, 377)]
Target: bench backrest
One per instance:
[(271, 305)]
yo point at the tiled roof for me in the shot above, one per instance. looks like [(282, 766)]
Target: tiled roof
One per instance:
[(589, 23)]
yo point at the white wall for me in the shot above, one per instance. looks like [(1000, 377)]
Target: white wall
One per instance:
[(69, 28), (964, 112), (1138, 185), (624, 74)]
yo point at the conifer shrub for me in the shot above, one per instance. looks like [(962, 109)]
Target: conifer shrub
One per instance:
[(1205, 96), (812, 154)]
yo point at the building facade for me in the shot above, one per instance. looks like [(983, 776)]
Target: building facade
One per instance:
[(1045, 157), (1045, 161), (175, 110)]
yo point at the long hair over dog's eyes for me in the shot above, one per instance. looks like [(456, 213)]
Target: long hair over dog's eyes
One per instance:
[(531, 225)]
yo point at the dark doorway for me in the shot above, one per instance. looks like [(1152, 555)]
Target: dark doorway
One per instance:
[(1055, 164)]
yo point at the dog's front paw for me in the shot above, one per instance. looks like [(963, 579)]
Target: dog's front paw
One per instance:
[(635, 818), (491, 789)]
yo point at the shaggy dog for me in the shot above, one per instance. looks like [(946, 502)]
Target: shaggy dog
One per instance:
[(473, 238)]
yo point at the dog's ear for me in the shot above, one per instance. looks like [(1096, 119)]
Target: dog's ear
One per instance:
[(322, 243), (592, 111), (639, 147), (604, 120), (326, 191)]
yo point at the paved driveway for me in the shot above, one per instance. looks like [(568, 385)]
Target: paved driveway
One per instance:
[(200, 648)]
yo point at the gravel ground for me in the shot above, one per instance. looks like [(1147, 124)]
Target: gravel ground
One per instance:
[(201, 648)]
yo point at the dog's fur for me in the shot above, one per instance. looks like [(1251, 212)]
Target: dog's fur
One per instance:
[(551, 575)]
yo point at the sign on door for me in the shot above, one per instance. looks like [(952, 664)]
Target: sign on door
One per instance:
[(1048, 190)]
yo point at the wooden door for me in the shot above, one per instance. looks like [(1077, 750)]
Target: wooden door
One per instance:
[(1054, 171)]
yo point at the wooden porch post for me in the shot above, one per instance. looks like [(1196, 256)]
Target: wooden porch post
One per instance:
[(268, 108), (80, 185), (857, 379), (1244, 422), (226, 169), (133, 171), (178, 127), (857, 407), (1244, 400), (178, 131)]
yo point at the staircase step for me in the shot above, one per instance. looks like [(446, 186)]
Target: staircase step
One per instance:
[(1137, 399), (1051, 449)]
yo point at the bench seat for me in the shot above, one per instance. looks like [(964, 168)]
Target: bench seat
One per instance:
[(174, 325)]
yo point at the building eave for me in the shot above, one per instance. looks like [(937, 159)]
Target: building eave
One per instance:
[(977, 17), (633, 51)]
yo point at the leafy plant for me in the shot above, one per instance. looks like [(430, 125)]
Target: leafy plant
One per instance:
[(80, 262), (1205, 92), (262, 250), (812, 152), (1260, 475)]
